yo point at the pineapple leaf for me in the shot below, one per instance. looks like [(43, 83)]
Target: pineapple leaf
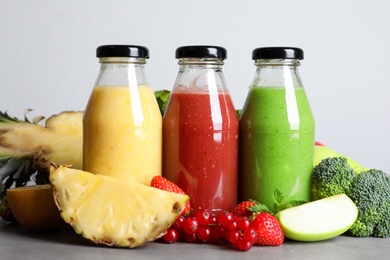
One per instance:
[(6, 118), (15, 171)]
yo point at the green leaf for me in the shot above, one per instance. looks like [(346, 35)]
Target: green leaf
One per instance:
[(257, 208), (281, 204), (162, 98)]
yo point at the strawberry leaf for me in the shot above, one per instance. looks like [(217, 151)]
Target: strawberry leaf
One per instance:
[(257, 208)]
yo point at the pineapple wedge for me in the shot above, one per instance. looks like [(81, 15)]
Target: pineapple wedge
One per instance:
[(110, 211)]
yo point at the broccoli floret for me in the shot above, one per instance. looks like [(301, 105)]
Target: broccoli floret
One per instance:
[(330, 177), (162, 98), (371, 193)]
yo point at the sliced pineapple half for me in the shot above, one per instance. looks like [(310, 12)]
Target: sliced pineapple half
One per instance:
[(60, 141), (27, 147), (111, 211)]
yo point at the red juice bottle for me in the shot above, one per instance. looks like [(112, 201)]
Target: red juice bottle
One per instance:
[(200, 131)]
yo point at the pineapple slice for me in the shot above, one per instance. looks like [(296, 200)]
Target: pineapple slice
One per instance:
[(110, 211)]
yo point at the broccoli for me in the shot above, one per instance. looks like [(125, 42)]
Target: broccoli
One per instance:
[(330, 177), (371, 193), (369, 190), (162, 98)]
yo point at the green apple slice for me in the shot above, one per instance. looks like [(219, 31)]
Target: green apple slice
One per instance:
[(318, 220)]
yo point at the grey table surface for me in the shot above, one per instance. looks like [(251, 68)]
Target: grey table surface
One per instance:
[(18, 243)]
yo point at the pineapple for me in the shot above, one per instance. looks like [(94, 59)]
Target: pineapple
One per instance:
[(27, 148), (113, 212)]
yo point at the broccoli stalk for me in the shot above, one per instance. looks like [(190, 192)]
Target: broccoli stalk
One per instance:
[(369, 190)]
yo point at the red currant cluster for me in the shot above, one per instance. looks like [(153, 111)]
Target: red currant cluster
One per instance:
[(206, 227)]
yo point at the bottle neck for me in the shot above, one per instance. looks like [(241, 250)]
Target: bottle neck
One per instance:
[(277, 73), (200, 75), (277, 62), (120, 60), (120, 71), (201, 63)]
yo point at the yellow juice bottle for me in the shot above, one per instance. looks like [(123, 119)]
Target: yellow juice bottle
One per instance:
[(122, 122)]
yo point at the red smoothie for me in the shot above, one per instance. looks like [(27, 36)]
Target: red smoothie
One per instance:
[(200, 143)]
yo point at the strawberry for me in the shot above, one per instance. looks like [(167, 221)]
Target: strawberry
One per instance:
[(248, 208), (162, 183), (242, 209), (269, 231)]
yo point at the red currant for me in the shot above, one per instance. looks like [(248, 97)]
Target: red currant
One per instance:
[(243, 223), (224, 218), (218, 233), (244, 245), (203, 216), (171, 236), (250, 235), (190, 238), (204, 234), (213, 220), (234, 237), (232, 226), (179, 222), (191, 225)]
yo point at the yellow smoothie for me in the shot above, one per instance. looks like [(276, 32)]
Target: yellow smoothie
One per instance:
[(123, 133)]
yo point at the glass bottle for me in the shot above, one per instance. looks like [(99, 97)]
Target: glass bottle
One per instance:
[(276, 130), (122, 121), (200, 131)]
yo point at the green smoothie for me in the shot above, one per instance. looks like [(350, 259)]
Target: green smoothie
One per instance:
[(276, 145)]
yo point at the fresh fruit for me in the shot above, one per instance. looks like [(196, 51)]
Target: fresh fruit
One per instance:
[(318, 220), (111, 211), (26, 147), (164, 184), (191, 225), (207, 226), (203, 216), (204, 234), (171, 236), (242, 209), (224, 218), (321, 152), (268, 229), (33, 207)]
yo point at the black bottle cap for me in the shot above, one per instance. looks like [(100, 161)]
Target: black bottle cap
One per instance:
[(201, 51), (277, 53), (133, 51)]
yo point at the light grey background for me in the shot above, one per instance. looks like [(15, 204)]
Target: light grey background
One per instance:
[(48, 63)]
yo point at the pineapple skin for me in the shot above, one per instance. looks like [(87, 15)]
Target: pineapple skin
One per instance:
[(110, 211)]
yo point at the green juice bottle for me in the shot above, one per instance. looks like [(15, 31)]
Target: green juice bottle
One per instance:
[(276, 141)]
